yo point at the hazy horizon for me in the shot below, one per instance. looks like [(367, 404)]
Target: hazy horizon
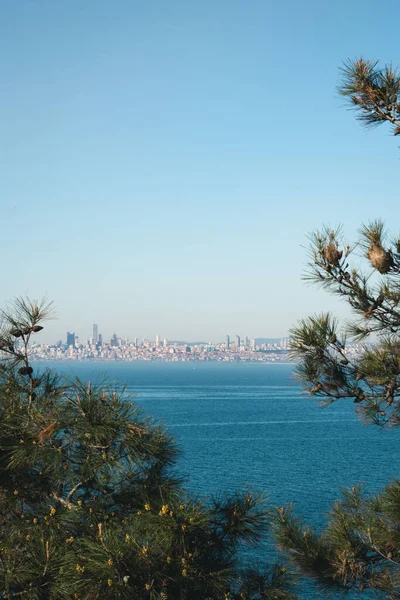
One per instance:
[(164, 162)]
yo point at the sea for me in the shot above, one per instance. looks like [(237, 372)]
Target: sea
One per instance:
[(251, 425)]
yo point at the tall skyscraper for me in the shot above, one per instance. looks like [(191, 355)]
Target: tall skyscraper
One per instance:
[(100, 339), (95, 333), (157, 341), (237, 341), (71, 339), (228, 341)]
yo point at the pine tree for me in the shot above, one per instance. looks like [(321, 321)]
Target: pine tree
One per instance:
[(90, 505), (360, 546)]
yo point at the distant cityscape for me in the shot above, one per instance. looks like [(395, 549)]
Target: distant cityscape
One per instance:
[(232, 349)]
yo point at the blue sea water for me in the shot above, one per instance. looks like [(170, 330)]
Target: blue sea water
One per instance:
[(250, 424)]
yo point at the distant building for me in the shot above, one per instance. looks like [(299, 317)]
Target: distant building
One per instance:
[(165, 342), (95, 333), (114, 340), (100, 339), (237, 341), (227, 341), (71, 339), (157, 341)]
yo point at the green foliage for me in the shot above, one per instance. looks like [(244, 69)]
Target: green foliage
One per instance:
[(372, 378), (358, 550), (360, 547), (271, 584), (373, 92), (90, 506)]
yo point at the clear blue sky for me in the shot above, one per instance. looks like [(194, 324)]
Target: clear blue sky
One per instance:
[(163, 161)]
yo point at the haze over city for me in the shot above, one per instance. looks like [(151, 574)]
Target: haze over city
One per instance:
[(163, 162)]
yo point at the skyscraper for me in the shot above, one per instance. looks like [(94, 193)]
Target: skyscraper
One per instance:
[(237, 342), (95, 334), (71, 339), (157, 341), (228, 341)]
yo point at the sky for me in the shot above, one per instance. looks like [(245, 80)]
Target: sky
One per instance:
[(163, 161)]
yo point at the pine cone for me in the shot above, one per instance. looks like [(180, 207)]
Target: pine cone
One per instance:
[(331, 254), (380, 259), (25, 371), (16, 332)]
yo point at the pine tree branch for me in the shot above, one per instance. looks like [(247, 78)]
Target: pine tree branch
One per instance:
[(63, 501), (72, 492)]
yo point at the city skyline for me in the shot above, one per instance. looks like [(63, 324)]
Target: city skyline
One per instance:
[(122, 349), (52, 332), (98, 338)]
